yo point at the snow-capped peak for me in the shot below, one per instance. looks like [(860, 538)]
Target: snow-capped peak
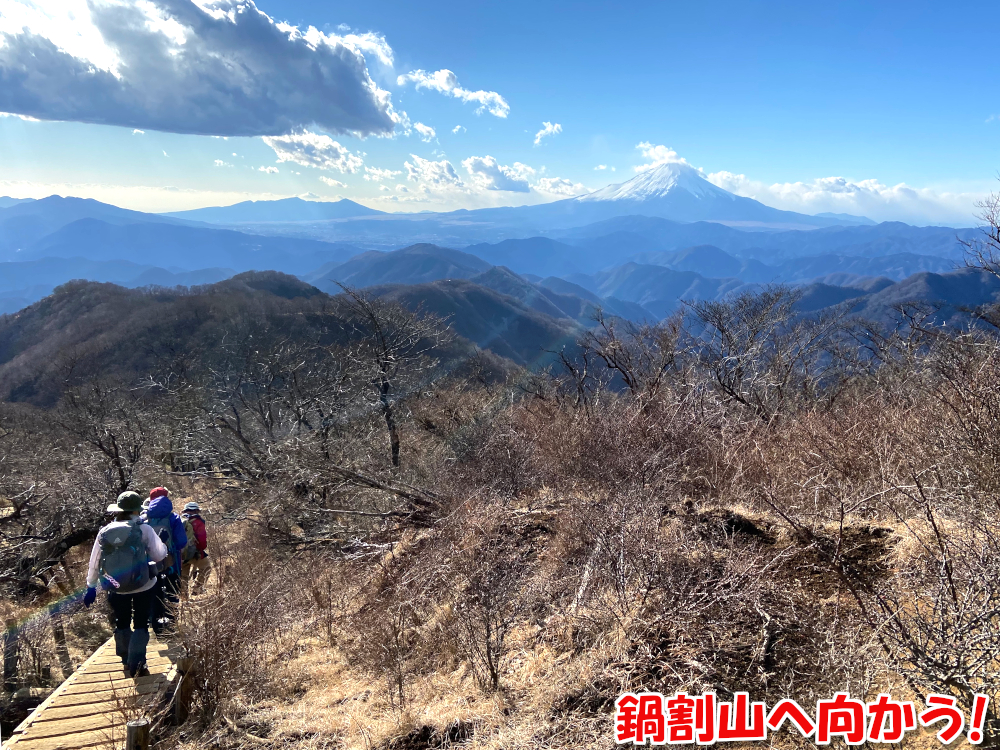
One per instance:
[(657, 182)]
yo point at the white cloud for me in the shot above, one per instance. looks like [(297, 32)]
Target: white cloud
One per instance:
[(657, 155), (868, 198), (401, 188), (446, 82), (377, 175), (560, 187), (427, 133), (314, 150), (138, 132), (548, 129), (330, 181), (268, 170), (408, 199), (220, 163), (602, 167), (438, 174), (208, 67), (458, 129), (385, 188), (25, 118), (487, 174), (166, 154)]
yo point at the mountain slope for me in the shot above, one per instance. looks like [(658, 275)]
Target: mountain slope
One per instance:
[(105, 330), (416, 264), (964, 288), (489, 319), (659, 290), (574, 302), (23, 283), (538, 255), (7, 202)]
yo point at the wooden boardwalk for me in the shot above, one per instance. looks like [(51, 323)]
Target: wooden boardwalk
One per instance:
[(90, 709)]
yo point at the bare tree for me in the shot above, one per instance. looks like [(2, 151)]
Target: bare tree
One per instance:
[(759, 351), (396, 349), (984, 252), (115, 419), (644, 355), (260, 389)]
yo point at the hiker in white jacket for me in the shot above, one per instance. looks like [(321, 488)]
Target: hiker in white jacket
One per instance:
[(123, 562)]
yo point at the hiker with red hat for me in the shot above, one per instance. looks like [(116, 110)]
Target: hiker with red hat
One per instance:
[(170, 529)]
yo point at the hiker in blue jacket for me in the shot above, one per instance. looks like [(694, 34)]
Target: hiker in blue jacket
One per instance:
[(170, 529)]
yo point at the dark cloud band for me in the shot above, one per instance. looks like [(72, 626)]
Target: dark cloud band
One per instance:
[(236, 73)]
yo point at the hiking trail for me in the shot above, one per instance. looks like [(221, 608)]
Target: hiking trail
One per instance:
[(91, 708)]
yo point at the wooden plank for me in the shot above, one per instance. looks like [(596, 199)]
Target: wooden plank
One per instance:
[(116, 675), (56, 712), (113, 662), (53, 696), (90, 708), (75, 699), (106, 737), (77, 725), (122, 687)]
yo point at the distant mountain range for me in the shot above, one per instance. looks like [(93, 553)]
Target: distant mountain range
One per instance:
[(6, 202), (643, 291), (675, 191), (287, 209), (638, 234), (594, 251), (524, 320)]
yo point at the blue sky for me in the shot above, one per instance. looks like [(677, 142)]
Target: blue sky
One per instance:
[(884, 109)]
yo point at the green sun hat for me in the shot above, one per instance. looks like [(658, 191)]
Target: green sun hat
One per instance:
[(128, 502)]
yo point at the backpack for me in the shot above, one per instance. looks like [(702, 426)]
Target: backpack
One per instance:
[(190, 551), (124, 562), (164, 530)]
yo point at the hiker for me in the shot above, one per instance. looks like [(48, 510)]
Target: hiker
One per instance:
[(194, 557), (123, 561), (170, 528)]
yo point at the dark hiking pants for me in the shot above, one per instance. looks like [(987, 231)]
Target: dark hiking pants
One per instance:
[(132, 610), (165, 602)]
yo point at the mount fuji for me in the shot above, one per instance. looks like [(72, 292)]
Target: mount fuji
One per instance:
[(658, 182), (673, 190)]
